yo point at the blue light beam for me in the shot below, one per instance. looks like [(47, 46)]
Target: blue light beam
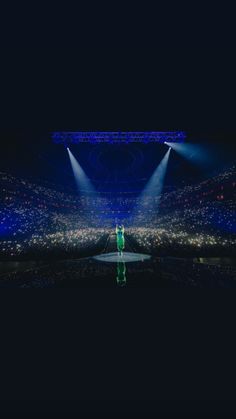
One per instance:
[(82, 181), (149, 199), (155, 185), (195, 153)]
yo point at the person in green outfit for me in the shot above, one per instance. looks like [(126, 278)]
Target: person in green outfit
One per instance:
[(120, 238)]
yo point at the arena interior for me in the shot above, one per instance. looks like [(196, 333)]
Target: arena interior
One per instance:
[(174, 193)]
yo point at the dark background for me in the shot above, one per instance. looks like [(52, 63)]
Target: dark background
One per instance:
[(117, 353)]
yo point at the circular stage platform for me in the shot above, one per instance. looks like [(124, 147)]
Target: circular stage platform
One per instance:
[(125, 257)]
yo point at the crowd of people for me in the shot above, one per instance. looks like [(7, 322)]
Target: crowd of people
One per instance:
[(196, 219), (169, 240), (35, 218), (78, 242)]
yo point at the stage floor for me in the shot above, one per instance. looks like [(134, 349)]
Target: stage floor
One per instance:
[(126, 257), (110, 270)]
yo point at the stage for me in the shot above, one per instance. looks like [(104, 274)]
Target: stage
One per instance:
[(109, 270), (126, 257)]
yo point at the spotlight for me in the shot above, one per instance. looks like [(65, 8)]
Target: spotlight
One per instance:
[(154, 187), (83, 182), (195, 153)]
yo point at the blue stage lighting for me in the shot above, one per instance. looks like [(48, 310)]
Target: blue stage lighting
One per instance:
[(118, 137), (150, 197), (195, 153), (156, 183), (83, 182)]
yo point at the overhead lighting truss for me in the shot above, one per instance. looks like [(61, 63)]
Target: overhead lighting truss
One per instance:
[(67, 138)]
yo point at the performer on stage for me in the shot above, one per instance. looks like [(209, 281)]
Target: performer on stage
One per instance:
[(120, 238)]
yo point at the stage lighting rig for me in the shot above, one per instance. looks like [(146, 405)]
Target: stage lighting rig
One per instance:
[(160, 137)]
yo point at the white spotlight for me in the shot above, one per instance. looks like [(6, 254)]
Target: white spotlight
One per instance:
[(83, 182)]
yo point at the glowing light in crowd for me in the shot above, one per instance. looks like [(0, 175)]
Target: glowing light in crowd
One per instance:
[(197, 217)]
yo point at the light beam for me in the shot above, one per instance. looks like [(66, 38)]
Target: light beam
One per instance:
[(82, 181), (155, 185), (149, 199), (195, 153)]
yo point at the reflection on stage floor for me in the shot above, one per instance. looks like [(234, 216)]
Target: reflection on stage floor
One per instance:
[(112, 270)]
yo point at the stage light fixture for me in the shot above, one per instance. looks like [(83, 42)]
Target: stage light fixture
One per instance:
[(118, 137)]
